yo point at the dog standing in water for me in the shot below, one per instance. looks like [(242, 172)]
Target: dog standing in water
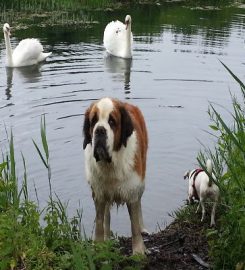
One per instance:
[(201, 188)]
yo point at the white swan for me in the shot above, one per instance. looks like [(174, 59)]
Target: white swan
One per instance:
[(118, 38), (28, 52)]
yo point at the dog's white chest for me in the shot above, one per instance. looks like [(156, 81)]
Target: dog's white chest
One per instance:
[(116, 181)]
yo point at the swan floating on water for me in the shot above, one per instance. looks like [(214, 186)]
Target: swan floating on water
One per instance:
[(118, 38), (28, 52)]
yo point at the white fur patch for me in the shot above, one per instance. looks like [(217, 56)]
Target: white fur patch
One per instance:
[(115, 181), (105, 106)]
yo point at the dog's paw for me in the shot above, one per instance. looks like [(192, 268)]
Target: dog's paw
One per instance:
[(145, 232), (212, 225), (139, 249)]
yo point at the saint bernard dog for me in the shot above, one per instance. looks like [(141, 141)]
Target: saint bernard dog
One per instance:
[(115, 144)]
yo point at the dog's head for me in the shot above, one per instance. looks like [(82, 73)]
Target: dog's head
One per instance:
[(107, 126), (187, 175)]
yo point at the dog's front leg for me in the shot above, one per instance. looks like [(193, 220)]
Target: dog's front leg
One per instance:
[(137, 240), (107, 221), (142, 226), (99, 220)]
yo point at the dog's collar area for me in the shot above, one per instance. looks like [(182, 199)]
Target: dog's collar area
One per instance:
[(194, 174)]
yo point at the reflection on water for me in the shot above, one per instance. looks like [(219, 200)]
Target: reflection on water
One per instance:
[(119, 66), (9, 73), (174, 73), (30, 74)]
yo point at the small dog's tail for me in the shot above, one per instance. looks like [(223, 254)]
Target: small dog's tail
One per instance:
[(209, 170)]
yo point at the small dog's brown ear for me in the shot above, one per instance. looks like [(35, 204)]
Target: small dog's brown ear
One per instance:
[(126, 126), (86, 129), (187, 174)]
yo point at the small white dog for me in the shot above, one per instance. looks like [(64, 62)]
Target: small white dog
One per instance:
[(201, 188)]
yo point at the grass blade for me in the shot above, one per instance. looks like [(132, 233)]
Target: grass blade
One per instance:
[(232, 136), (40, 154), (44, 137)]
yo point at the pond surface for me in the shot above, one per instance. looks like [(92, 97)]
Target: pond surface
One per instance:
[(174, 74)]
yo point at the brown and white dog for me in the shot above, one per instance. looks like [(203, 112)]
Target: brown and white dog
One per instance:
[(115, 144), (201, 188)]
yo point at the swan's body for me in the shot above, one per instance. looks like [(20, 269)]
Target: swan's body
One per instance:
[(28, 52), (118, 38)]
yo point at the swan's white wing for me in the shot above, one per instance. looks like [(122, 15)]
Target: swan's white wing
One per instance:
[(28, 52), (115, 39)]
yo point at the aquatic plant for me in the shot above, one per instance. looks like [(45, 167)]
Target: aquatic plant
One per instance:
[(227, 242), (38, 5), (210, 2), (35, 239)]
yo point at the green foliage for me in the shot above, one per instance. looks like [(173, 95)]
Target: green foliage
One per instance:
[(58, 243), (186, 214), (227, 244), (210, 2), (42, 5)]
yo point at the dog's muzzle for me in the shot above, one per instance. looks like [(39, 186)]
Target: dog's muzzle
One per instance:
[(100, 146)]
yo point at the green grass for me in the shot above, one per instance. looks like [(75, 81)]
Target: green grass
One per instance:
[(74, 5), (60, 242), (42, 5), (227, 242), (210, 2), (45, 13)]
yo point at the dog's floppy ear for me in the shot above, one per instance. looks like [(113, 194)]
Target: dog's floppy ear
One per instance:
[(86, 129), (187, 174), (126, 126)]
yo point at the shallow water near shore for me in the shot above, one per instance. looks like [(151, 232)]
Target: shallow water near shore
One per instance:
[(174, 74)]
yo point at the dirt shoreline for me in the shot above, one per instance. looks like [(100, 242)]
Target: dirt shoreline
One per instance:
[(180, 246)]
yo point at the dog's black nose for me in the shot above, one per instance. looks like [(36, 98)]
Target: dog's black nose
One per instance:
[(100, 145), (100, 131)]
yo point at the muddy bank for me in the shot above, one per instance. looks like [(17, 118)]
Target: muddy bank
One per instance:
[(182, 245)]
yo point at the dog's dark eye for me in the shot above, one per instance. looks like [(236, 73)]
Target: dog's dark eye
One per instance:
[(112, 122), (94, 120)]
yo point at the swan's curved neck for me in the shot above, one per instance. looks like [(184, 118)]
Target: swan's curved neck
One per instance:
[(8, 50), (128, 42)]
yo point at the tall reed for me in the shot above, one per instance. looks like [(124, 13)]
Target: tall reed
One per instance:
[(227, 243), (67, 5), (60, 243)]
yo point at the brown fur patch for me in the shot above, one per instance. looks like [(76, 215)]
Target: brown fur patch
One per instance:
[(141, 133), (142, 138)]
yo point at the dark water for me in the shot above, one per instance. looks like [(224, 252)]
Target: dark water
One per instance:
[(174, 74)]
